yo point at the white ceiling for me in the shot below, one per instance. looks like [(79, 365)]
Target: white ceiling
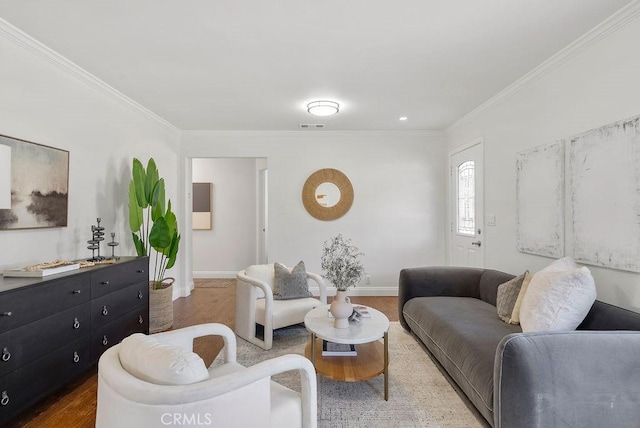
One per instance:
[(253, 64)]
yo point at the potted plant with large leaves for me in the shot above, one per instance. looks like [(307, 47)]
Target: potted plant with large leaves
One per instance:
[(154, 229)]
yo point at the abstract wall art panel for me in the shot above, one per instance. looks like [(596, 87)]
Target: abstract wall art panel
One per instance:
[(202, 212), (39, 186), (540, 200), (604, 208)]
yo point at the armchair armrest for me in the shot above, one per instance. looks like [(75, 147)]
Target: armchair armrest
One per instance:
[(184, 337), (321, 285), (308, 382), (573, 379), (268, 298), (266, 289), (437, 281)]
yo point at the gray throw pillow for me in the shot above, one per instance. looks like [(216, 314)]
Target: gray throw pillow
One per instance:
[(507, 296), (290, 285)]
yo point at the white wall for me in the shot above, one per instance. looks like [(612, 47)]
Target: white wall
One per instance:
[(571, 94), (44, 99), (397, 217), (231, 245)]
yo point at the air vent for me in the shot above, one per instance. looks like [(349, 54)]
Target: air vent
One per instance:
[(311, 125)]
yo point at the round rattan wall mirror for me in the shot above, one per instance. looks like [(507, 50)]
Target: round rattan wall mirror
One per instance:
[(327, 194)]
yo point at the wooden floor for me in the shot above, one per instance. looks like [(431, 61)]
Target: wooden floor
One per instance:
[(74, 405)]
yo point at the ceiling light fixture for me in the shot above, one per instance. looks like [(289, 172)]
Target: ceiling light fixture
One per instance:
[(403, 118), (323, 108)]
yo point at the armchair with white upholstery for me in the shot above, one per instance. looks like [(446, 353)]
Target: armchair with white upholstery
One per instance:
[(230, 395), (255, 304)]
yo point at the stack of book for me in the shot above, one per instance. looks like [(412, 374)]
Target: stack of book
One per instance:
[(39, 273), (330, 349), (362, 311)]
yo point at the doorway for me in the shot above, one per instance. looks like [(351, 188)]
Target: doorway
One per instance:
[(467, 206), (238, 234)]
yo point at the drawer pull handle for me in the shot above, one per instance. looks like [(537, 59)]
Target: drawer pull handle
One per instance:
[(140, 270), (105, 282), (140, 319), (105, 311), (6, 355), (76, 291), (5, 398), (76, 357), (6, 314), (76, 323), (105, 340), (140, 294)]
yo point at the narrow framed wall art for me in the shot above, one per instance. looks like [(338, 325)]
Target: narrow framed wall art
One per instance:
[(202, 207)]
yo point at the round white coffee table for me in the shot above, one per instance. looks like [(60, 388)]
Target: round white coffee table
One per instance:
[(372, 357)]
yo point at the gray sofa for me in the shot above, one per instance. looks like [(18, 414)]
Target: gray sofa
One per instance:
[(589, 377)]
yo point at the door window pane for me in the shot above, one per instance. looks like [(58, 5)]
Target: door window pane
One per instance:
[(466, 198)]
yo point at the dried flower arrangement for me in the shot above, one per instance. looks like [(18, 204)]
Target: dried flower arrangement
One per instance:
[(341, 263)]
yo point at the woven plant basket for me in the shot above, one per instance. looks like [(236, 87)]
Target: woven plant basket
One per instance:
[(161, 306)]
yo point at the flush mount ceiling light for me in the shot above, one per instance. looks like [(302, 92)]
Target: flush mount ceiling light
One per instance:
[(323, 108)]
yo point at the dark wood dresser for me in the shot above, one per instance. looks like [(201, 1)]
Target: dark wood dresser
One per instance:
[(55, 328)]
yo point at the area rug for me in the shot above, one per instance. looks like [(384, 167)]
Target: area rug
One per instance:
[(213, 282), (419, 395)]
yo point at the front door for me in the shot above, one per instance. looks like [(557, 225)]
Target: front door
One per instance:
[(467, 219)]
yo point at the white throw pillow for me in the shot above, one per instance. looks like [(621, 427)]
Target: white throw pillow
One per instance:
[(558, 297), (153, 361), (515, 314)]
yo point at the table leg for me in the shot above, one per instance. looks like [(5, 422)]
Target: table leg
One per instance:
[(313, 349), (386, 366)]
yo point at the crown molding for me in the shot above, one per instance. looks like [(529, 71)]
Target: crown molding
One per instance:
[(38, 49), (599, 32), (313, 134)]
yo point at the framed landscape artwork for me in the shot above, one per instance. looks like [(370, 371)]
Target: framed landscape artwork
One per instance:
[(39, 186)]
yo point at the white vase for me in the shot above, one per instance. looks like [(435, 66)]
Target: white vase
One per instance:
[(341, 308)]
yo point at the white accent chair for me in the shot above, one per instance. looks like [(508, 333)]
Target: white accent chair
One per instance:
[(255, 304), (232, 396)]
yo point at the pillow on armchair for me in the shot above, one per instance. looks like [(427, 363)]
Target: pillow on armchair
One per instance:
[(558, 297), (290, 284), (161, 363)]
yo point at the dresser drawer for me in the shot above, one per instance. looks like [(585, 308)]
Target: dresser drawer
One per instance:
[(112, 278), (33, 381), (32, 303), (136, 321), (112, 306), (25, 344)]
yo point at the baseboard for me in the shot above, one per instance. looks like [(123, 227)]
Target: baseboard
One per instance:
[(218, 274), (356, 291)]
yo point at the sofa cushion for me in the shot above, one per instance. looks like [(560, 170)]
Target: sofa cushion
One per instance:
[(558, 297), (507, 295), (161, 363), (463, 334), (290, 283)]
